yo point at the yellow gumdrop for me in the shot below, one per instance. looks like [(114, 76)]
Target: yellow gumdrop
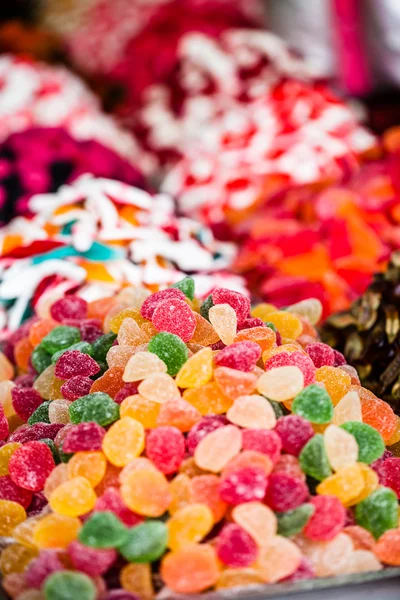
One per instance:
[(146, 492), (56, 531), (189, 525), (116, 321), (143, 410), (91, 465), (136, 578), (6, 399), (337, 383), (180, 491), (124, 441), (231, 578), (197, 371), (6, 453), (208, 399), (11, 514), (15, 558), (261, 311), (346, 484), (371, 482), (288, 325), (73, 498), (23, 533)]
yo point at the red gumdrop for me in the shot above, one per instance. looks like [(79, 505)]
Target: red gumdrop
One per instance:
[(321, 354), (84, 437), (205, 426), (30, 465), (339, 359), (304, 571), (4, 427), (76, 387), (73, 363), (239, 302), (92, 561), (39, 501), (90, 330), (165, 446), (263, 440), (10, 491), (129, 389), (378, 466), (285, 492), (296, 359), (111, 500), (328, 519), (25, 381), (235, 547), (243, 485), (36, 432), (294, 432), (150, 304), (250, 323), (242, 356), (175, 316), (390, 471), (218, 345), (40, 568), (25, 401), (69, 307)]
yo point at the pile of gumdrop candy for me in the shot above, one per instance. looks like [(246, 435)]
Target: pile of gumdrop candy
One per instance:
[(156, 442)]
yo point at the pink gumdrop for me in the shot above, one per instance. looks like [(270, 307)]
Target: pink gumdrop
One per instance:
[(296, 359), (4, 426), (30, 465), (239, 302), (241, 356), (340, 359), (11, 491), (390, 474), (73, 362), (243, 485), (165, 446), (39, 501), (294, 432), (36, 432), (328, 519), (321, 354), (129, 389), (285, 492), (40, 568), (205, 426), (25, 401), (175, 316), (263, 440), (250, 323), (379, 467), (69, 307), (76, 387), (111, 500), (92, 561), (235, 547), (83, 438), (150, 304), (90, 330)]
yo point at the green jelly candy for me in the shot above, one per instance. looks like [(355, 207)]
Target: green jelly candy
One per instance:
[(378, 512), (53, 449), (64, 585), (277, 408), (98, 407), (60, 338), (205, 307), (314, 404), (145, 543), (270, 325), (103, 530), (186, 286), (313, 458), (293, 521), (41, 414), (370, 443), (170, 349), (64, 456), (40, 359), (102, 345), (83, 347)]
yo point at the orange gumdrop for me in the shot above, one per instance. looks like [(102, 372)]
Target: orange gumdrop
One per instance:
[(99, 308), (204, 333), (110, 383), (190, 570), (379, 415), (249, 458), (263, 336), (204, 489), (361, 538), (39, 330), (387, 548), (22, 353), (235, 383)]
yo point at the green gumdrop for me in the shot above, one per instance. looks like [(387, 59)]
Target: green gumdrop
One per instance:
[(370, 443), (102, 345), (64, 585), (98, 407), (170, 349), (103, 530), (64, 456), (145, 543), (293, 521), (313, 458), (277, 408), (378, 512), (314, 404), (205, 307), (53, 449), (83, 347), (40, 359), (59, 338), (186, 286), (270, 325), (41, 414)]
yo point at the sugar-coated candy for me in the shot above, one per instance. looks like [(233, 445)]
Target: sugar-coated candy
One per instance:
[(64, 584), (241, 453)]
